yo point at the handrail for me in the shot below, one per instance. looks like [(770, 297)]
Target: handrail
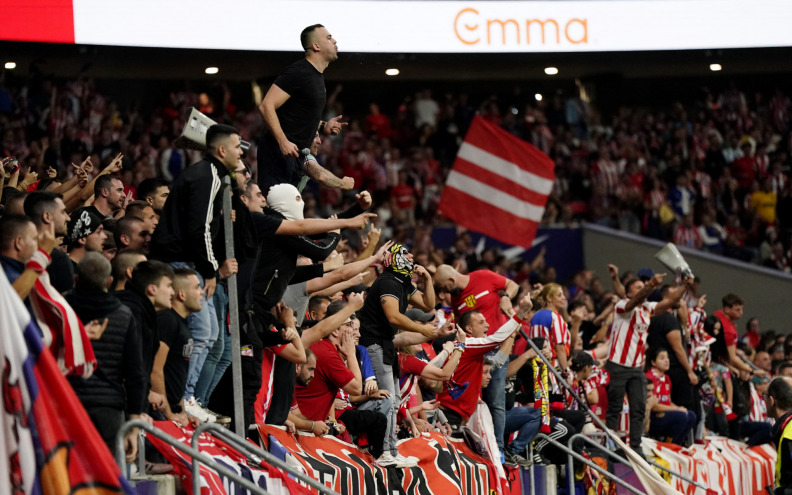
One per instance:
[(625, 461), (196, 456), (572, 454), (254, 449)]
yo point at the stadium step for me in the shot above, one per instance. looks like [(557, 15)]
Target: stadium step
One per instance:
[(157, 484)]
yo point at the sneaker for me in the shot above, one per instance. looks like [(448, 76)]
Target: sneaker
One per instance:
[(515, 459), (219, 418), (192, 408), (386, 460), (405, 462)]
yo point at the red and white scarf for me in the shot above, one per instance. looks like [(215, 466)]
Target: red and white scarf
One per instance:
[(62, 330)]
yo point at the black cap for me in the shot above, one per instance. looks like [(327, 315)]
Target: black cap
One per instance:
[(84, 222)]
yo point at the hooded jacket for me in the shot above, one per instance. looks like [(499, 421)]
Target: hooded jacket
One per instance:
[(118, 381)]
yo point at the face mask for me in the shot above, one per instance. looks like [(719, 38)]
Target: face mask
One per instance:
[(397, 261), (286, 199)]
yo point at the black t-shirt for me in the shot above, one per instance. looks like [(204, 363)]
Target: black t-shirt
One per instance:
[(175, 333), (299, 117), (659, 328), (61, 271), (374, 325)]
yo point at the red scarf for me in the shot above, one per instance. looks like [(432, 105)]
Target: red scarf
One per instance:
[(62, 330)]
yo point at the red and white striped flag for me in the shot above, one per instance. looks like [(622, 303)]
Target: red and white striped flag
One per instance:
[(498, 185)]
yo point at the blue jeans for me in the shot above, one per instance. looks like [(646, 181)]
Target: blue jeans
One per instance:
[(496, 400), (204, 330), (526, 421), (386, 381), (219, 357), (674, 424)]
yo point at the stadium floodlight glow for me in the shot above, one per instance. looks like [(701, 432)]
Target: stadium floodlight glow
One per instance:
[(10, 65), (392, 72), (212, 70), (538, 96), (551, 71), (716, 67)]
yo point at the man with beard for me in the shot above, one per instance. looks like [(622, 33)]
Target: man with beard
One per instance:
[(48, 211), (292, 109), (490, 294), (108, 196), (154, 192)]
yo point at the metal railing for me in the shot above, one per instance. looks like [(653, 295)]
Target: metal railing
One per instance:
[(253, 450), (197, 457), (585, 408), (571, 454)]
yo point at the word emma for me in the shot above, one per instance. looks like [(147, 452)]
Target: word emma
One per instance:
[(470, 28)]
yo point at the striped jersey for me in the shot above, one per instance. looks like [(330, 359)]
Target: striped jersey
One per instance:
[(548, 324), (628, 334)]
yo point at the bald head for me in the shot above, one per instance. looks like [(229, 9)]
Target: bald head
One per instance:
[(446, 277)]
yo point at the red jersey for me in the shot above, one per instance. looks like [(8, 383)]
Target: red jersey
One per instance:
[(662, 386), (728, 328), (482, 295), (462, 391), (628, 334), (402, 195), (331, 374), (411, 369)]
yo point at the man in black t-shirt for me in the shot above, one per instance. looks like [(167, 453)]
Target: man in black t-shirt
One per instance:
[(169, 375), (383, 312), (46, 208), (292, 109), (666, 332)]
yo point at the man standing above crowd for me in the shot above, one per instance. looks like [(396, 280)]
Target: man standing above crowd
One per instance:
[(189, 224), (627, 351), (490, 294), (292, 109)]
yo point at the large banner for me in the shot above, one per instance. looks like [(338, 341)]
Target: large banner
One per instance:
[(445, 466), (408, 26), (724, 466), (48, 444)]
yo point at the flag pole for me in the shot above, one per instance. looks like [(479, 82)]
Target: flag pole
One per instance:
[(233, 311)]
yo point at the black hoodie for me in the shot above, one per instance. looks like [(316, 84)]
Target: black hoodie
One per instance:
[(118, 380)]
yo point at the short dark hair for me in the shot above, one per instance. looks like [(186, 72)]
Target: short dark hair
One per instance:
[(38, 202), (150, 273), (305, 36), (630, 284), (182, 273), (464, 320), (731, 299), (148, 186), (104, 182), (122, 261), (217, 132), (334, 307), (93, 272), (135, 208), (315, 301), (652, 354), (11, 227), (124, 227), (575, 305), (780, 390)]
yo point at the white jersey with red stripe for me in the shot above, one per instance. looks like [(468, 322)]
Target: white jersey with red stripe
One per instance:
[(550, 325), (628, 333)]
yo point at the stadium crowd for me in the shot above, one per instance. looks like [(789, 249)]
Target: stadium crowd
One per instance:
[(122, 262)]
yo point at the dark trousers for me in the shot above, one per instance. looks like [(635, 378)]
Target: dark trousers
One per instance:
[(682, 392), (108, 421), (632, 382), (674, 424), (372, 423)]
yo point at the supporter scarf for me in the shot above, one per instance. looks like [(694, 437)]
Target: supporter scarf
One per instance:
[(541, 393), (62, 330)]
